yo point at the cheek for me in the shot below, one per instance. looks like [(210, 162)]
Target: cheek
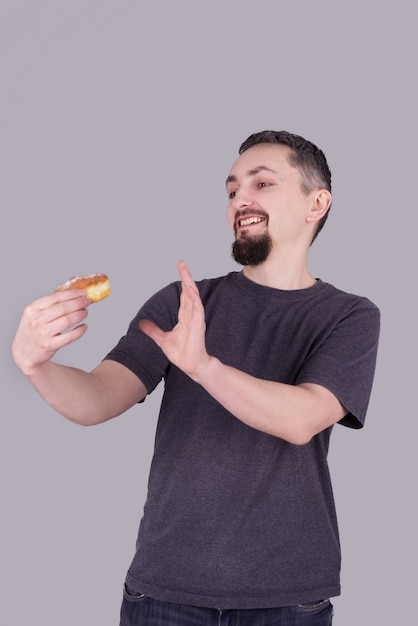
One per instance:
[(230, 213)]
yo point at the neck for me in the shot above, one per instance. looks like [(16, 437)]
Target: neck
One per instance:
[(281, 274)]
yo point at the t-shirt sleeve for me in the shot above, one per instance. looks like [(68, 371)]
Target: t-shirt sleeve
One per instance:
[(345, 362), (137, 351)]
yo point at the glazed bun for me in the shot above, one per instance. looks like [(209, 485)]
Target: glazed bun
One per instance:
[(96, 286)]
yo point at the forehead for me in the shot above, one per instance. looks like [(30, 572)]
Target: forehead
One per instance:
[(272, 156)]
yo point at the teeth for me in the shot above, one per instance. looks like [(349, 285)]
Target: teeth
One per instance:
[(251, 220)]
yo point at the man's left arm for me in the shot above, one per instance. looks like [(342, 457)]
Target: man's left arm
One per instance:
[(292, 412)]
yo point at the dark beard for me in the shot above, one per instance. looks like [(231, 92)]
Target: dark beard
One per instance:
[(252, 250)]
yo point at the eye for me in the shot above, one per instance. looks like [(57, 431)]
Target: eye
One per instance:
[(232, 194), (263, 183)]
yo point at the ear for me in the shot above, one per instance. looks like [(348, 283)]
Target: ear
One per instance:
[(321, 201)]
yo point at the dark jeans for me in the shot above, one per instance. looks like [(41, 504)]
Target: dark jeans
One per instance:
[(138, 610)]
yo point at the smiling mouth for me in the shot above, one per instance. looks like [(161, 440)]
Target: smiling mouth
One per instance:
[(247, 221)]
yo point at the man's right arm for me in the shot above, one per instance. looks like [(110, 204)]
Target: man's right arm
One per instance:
[(83, 397)]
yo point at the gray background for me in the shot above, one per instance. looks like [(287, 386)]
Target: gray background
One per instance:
[(119, 122)]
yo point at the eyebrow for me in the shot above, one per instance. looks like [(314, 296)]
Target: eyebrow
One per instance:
[(253, 172)]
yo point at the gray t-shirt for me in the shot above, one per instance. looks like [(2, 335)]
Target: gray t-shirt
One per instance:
[(236, 518)]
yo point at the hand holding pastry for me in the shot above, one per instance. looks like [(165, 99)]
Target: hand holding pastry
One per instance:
[(56, 320), (48, 324)]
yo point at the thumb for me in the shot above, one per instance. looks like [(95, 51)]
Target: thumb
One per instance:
[(152, 330)]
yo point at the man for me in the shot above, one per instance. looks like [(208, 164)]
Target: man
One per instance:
[(239, 525)]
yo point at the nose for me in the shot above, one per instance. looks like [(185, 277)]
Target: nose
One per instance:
[(242, 199)]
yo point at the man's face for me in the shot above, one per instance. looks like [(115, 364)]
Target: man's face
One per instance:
[(267, 207)]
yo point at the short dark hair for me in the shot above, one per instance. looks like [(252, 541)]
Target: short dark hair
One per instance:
[(304, 156)]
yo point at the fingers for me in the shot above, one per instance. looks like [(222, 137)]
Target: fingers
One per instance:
[(59, 303), (189, 287), (186, 277), (60, 309), (48, 324), (190, 303), (65, 338), (184, 344)]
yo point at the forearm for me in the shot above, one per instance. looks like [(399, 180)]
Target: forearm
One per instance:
[(72, 392), (292, 412)]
